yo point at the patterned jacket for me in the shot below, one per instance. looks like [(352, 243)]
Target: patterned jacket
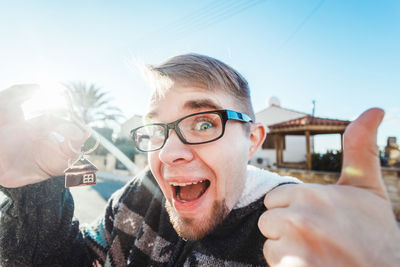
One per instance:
[(37, 228)]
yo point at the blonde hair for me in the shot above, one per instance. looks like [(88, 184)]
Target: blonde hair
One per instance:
[(202, 71)]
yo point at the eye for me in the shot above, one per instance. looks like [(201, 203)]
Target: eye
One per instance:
[(203, 125), (158, 132)]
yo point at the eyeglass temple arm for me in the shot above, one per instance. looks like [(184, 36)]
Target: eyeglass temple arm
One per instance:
[(234, 115)]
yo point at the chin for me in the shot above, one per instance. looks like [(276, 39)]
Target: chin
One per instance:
[(197, 228)]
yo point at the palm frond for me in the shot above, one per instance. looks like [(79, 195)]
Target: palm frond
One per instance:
[(92, 103)]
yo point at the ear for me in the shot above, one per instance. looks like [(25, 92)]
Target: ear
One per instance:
[(257, 137)]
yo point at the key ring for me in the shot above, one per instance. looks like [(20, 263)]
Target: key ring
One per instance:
[(97, 138), (81, 125), (82, 171)]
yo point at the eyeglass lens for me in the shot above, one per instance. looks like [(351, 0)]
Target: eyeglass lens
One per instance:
[(194, 129)]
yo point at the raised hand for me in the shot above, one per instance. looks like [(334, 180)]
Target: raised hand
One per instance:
[(347, 224), (33, 150)]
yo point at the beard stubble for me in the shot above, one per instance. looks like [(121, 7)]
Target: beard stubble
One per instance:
[(193, 228)]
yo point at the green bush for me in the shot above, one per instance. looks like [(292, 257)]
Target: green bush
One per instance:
[(106, 133), (127, 147), (330, 161)]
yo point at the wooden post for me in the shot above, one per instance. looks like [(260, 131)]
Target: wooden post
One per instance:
[(276, 145), (308, 150), (281, 140), (341, 145)]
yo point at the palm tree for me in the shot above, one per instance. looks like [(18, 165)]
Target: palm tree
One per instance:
[(92, 104)]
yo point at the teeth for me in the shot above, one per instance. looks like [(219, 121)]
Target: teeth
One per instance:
[(181, 200), (184, 184)]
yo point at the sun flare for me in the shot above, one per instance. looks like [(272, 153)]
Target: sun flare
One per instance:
[(50, 99)]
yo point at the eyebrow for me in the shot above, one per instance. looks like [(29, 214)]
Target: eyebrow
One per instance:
[(201, 103), (191, 104)]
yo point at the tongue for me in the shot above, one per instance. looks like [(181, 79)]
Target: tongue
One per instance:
[(191, 192)]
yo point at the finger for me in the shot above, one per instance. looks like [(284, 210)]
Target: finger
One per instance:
[(11, 100), (270, 223), (270, 253), (17, 94), (69, 136), (42, 125), (69, 150), (279, 197), (50, 157), (282, 253), (76, 134), (361, 167), (72, 137), (55, 152)]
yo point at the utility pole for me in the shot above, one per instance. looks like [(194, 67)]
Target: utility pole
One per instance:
[(313, 108)]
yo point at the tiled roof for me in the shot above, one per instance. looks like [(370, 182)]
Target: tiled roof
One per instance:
[(309, 120)]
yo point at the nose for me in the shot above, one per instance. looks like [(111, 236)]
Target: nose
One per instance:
[(174, 151)]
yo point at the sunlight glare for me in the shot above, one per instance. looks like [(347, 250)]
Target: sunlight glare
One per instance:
[(50, 99), (352, 171), (292, 261)]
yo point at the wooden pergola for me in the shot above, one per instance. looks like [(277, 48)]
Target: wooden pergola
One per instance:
[(307, 126)]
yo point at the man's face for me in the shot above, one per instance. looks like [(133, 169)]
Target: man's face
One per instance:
[(202, 182)]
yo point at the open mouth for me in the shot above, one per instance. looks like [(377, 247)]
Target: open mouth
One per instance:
[(186, 192)]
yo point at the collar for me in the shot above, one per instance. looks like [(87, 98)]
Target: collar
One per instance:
[(258, 183)]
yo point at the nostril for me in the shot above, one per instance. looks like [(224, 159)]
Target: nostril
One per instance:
[(178, 160)]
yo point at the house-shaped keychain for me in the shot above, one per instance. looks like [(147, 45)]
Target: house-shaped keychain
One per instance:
[(81, 172)]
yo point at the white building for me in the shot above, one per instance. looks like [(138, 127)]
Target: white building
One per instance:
[(131, 123), (294, 146)]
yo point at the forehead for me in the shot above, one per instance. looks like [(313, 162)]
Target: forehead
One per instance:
[(183, 100)]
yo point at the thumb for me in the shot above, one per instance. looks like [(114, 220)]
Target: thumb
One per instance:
[(11, 100), (361, 166)]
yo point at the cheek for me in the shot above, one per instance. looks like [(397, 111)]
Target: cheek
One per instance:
[(235, 152), (231, 149), (155, 165), (237, 155), (228, 161), (154, 162)]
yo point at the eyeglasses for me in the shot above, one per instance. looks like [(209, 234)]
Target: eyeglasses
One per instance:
[(194, 129)]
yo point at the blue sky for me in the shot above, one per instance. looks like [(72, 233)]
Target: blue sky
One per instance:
[(345, 54)]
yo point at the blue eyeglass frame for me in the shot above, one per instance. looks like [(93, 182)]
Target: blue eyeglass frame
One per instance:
[(225, 115)]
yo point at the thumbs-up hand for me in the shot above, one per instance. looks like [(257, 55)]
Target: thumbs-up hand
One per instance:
[(347, 224), (361, 167)]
